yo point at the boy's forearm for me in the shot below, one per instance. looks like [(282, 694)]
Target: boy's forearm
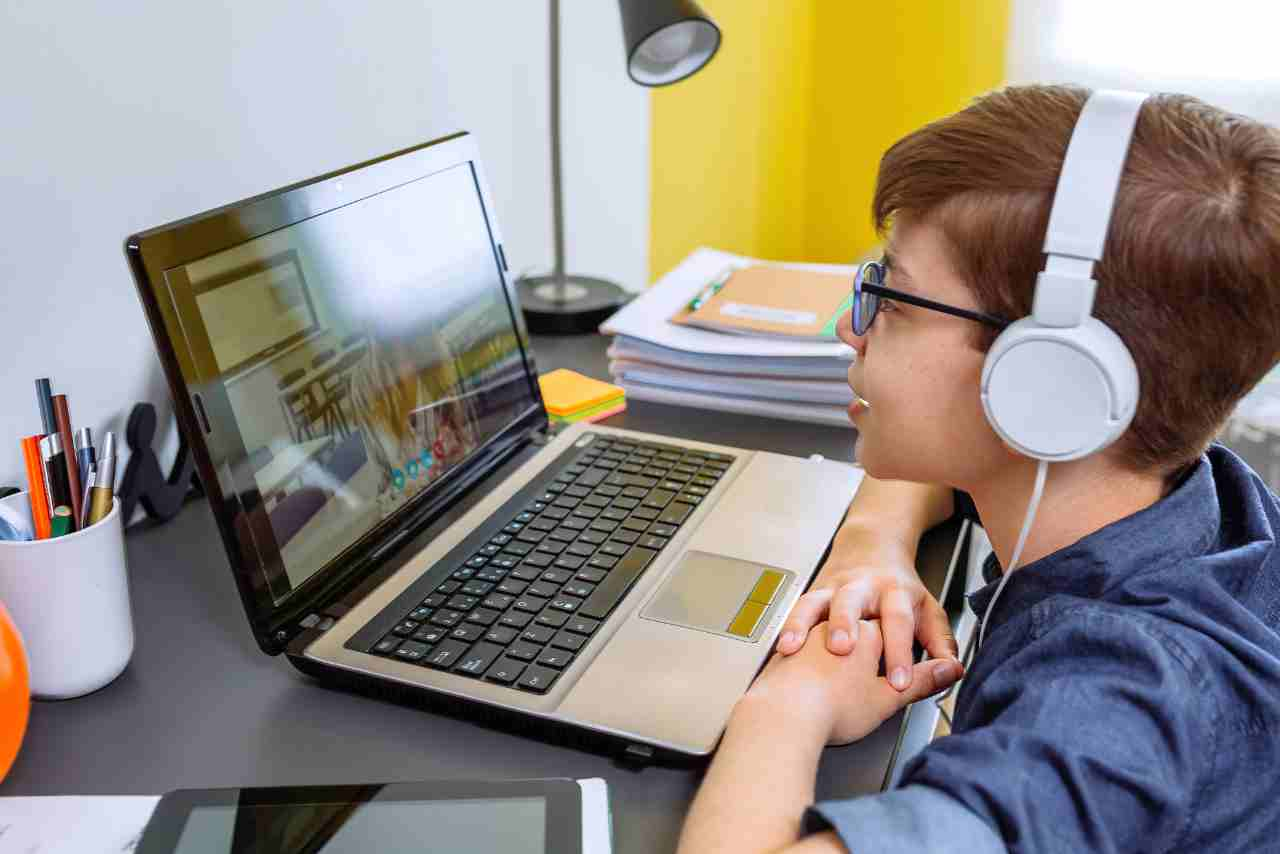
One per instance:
[(895, 510), (758, 786)]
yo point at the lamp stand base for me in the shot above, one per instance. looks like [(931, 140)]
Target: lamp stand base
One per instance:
[(571, 305)]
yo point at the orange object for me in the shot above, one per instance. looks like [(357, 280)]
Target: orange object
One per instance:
[(568, 393), (15, 692), (35, 486)]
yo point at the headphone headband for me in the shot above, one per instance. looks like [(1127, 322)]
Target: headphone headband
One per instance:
[(1090, 175)]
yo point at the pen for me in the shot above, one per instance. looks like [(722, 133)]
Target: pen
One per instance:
[(89, 480), (35, 486), (62, 416), (55, 469), (44, 397), (61, 522), (84, 452), (101, 494), (709, 291)]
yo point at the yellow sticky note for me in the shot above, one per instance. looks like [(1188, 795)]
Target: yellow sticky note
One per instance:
[(565, 392)]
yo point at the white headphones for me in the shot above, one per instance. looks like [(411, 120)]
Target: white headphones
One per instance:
[(1060, 384)]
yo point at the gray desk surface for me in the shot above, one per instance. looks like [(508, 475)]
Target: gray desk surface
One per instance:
[(201, 706)]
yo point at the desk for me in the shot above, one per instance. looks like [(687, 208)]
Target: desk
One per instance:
[(201, 706)]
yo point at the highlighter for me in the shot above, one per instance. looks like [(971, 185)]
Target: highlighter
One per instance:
[(100, 495)]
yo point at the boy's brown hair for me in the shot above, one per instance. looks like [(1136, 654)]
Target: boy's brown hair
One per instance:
[(1190, 274)]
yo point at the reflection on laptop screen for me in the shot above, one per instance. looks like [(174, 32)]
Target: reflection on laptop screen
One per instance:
[(364, 353)]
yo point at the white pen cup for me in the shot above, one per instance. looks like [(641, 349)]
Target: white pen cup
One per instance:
[(69, 598)]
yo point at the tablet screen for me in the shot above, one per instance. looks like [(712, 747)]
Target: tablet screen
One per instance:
[(511, 825), (514, 818)]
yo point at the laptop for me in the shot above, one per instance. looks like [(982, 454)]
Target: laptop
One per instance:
[(347, 357)]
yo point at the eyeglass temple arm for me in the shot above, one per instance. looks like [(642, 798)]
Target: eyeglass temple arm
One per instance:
[(890, 293)]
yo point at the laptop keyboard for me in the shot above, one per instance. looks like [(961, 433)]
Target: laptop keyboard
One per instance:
[(520, 608)]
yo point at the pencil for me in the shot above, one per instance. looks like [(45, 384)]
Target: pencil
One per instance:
[(62, 414), (36, 494)]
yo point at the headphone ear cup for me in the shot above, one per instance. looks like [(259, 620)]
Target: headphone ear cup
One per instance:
[(1059, 393)]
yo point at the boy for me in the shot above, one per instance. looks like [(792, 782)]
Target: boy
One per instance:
[(1126, 693)]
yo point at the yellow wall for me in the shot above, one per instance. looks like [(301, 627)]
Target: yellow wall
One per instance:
[(772, 149)]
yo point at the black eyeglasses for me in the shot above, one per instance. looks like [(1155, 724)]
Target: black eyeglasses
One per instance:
[(868, 288)]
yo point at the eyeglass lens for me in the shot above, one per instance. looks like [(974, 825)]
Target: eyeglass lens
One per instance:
[(865, 304)]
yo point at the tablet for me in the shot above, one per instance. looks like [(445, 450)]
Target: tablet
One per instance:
[(515, 817)]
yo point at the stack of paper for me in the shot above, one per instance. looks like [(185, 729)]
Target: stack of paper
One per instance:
[(654, 359)]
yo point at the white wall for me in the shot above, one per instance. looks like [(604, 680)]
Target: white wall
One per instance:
[(122, 116), (1222, 53)]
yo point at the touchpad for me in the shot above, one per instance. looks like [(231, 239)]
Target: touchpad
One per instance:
[(722, 595)]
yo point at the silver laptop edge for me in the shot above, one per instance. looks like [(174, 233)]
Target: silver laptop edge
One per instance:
[(642, 678)]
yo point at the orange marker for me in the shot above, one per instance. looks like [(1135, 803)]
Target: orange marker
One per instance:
[(36, 494)]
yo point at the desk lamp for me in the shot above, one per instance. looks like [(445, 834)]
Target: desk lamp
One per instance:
[(666, 41)]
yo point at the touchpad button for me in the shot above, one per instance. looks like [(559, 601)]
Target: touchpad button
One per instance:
[(722, 595)]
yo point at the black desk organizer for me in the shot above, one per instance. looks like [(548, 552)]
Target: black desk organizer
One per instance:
[(160, 494)]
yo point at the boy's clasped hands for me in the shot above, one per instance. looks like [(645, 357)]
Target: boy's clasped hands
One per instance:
[(826, 674)]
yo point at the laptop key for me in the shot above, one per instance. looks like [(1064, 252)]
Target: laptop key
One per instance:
[(556, 576), (581, 625), (405, 628), (552, 547), (387, 645), (537, 634), (483, 616), (446, 618), (537, 559), (512, 587), (504, 671), (476, 588), (491, 549), (420, 613), (542, 588), (523, 650), (531, 604), (581, 549), (594, 576), (430, 634), (411, 651), (497, 601), (624, 535), (478, 659), (655, 543), (566, 603), (557, 658), (500, 539), (568, 640), (448, 587), (467, 632), (660, 530), (602, 562), (592, 477), (537, 678), (517, 549), (578, 588), (577, 491), (576, 522), (554, 619), (646, 513), (675, 513), (615, 514), (501, 634), (515, 619), (593, 537), (459, 602), (493, 576), (659, 498), (612, 548), (526, 572), (531, 535), (619, 581), (568, 562), (446, 653)]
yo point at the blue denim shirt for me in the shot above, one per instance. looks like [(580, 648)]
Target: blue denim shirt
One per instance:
[(1126, 697)]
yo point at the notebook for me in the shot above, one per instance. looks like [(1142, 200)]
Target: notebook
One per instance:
[(771, 301), (347, 358)]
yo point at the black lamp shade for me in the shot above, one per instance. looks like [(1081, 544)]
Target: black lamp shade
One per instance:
[(666, 40)]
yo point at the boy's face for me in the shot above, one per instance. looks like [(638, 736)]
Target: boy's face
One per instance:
[(920, 372)]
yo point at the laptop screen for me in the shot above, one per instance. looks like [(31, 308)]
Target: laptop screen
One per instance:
[(349, 361)]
